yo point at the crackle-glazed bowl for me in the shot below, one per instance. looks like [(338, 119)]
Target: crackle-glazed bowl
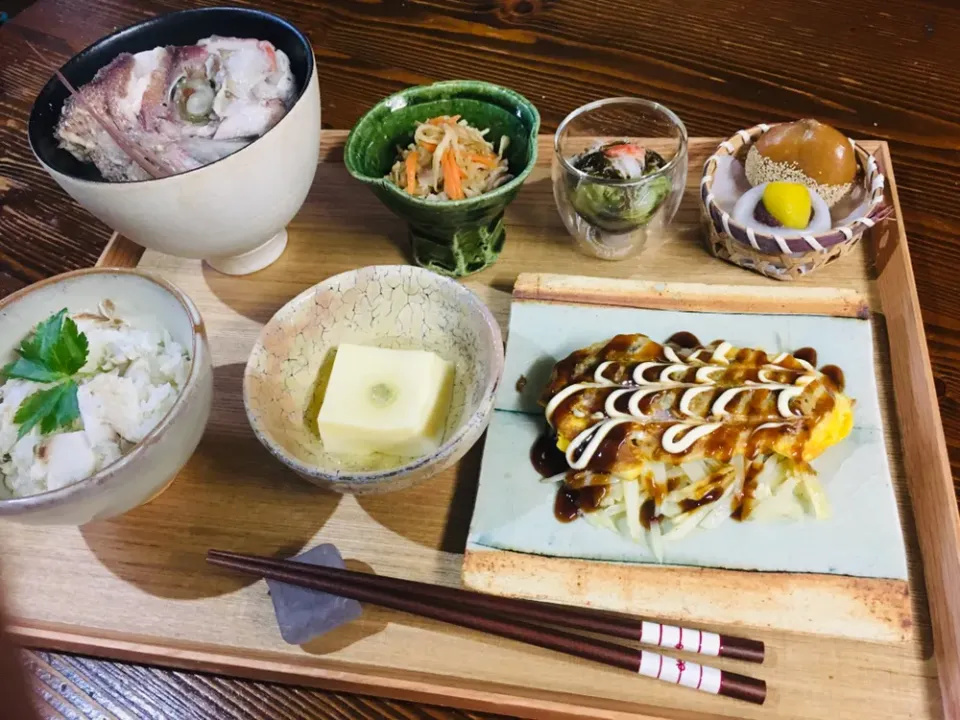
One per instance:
[(153, 463), (396, 306)]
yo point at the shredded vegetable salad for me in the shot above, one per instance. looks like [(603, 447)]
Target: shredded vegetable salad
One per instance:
[(450, 160), (665, 503)]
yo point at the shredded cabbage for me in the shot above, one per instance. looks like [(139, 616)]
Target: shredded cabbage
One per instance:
[(703, 494), (449, 159)]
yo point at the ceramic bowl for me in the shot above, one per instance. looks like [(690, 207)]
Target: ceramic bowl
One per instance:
[(402, 307), (454, 237), (145, 471), (232, 212)]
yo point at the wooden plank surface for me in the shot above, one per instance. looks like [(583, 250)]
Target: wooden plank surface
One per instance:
[(871, 68), (924, 447), (166, 606), (81, 688)]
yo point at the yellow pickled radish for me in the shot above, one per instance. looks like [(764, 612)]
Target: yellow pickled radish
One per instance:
[(789, 203)]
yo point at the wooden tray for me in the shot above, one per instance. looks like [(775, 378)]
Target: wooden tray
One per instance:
[(137, 588)]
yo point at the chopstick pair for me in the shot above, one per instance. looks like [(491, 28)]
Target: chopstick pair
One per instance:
[(511, 618)]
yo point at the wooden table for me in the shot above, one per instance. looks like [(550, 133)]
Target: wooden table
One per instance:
[(872, 68)]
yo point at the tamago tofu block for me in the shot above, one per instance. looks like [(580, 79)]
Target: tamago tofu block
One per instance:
[(383, 400)]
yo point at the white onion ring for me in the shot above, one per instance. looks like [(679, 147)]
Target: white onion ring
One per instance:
[(747, 204)]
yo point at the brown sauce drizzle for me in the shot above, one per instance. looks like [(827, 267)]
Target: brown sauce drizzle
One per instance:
[(566, 370), (790, 362), (605, 458), (648, 513), (578, 479), (685, 340), (758, 401), (618, 344), (721, 443), (806, 353), (743, 502), (687, 376), (785, 377), (565, 408), (751, 357), (762, 440), (571, 503), (651, 374), (581, 448), (566, 507), (546, 457), (645, 403), (622, 403), (711, 496), (620, 373), (835, 376)]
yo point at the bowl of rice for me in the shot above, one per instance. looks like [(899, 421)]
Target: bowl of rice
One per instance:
[(105, 390)]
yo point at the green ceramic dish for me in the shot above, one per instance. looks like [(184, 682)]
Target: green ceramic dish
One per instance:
[(453, 237)]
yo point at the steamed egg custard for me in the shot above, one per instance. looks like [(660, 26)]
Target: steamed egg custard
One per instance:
[(655, 440), (381, 400)]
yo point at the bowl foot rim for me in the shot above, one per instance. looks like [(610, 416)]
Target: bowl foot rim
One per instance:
[(252, 260)]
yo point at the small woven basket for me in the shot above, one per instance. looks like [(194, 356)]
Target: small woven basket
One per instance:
[(772, 255)]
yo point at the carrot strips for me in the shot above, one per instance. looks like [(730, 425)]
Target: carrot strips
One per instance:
[(448, 158), (451, 176), (488, 160), (411, 161), (443, 120)]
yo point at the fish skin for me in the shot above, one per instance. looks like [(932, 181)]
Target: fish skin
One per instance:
[(135, 92)]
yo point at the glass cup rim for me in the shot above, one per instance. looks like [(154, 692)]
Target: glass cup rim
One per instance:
[(649, 104)]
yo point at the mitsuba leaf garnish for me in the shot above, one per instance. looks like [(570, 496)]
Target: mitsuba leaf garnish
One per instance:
[(53, 353)]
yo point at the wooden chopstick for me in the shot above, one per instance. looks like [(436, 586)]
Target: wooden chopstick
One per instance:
[(687, 674), (571, 618)]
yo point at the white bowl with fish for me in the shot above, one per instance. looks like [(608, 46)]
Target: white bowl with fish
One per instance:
[(105, 389), (195, 134)]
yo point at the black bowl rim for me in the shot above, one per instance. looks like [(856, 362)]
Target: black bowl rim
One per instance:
[(217, 10)]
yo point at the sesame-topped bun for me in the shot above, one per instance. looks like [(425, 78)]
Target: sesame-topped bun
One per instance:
[(805, 151)]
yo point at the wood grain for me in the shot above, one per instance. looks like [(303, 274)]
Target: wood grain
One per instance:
[(81, 688), (925, 453), (872, 68), (696, 297), (120, 252)]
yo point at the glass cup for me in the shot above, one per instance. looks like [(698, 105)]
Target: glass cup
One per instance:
[(612, 218)]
